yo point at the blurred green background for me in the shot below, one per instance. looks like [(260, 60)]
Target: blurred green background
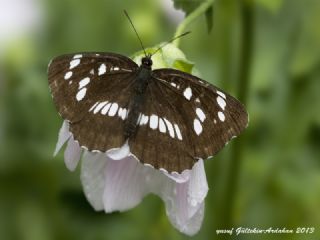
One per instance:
[(266, 52)]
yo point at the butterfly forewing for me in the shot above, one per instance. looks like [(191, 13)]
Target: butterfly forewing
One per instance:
[(92, 91), (79, 80)]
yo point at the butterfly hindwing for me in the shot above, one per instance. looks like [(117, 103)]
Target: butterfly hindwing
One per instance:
[(102, 127), (162, 138)]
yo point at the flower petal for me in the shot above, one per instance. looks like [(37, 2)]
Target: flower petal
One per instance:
[(118, 185), (92, 178), (119, 153), (124, 184), (179, 177), (198, 186), (192, 226), (64, 135), (72, 154), (185, 200)]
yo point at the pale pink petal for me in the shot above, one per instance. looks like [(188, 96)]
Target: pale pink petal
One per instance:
[(193, 225), (198, 186), (184, 200), (118, 185), (64, 135), (179, 177), (72, 154), (119, 153), (93, 178), (178, 209), (124, 184)]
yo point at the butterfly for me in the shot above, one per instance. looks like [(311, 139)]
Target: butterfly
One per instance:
[(170, 119)]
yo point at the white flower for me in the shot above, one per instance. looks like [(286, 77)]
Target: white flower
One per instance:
[(116, 181)]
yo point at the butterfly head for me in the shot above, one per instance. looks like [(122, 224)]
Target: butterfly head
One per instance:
[(146, 62)]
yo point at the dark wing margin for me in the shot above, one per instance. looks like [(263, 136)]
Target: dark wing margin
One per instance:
[(92, 91), (206, 116)]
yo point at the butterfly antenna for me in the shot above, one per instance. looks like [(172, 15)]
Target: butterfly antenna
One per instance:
[(175, 38), (127, 15)]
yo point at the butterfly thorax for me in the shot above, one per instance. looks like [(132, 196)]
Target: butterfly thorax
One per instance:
[(137, 100)]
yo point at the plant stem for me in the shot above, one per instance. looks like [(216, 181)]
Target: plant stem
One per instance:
[(247, 19), (190, 18)]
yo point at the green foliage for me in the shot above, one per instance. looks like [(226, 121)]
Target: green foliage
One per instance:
[(278, 183), (209, 18), (271, 5), (168, 57), (189, 6), (183, 65)]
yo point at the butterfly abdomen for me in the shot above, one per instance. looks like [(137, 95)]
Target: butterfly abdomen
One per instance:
[(137, 101)]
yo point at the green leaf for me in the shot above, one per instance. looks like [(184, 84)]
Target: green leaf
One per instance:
[(168, 57), (183, 65), (209, 18)]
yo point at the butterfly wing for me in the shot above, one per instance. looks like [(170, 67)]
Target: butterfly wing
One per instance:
[(203, 119), (78, 80), (161, 138), (85, 89)]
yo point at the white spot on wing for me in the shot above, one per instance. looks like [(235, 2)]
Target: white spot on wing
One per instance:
[(126, 70), (187, 93), (153, 121), (77, 56), (99, 106), (124, 113), (173, 84), (178, 132), (197, 126), (221, 94), (81, 94), (221, 102), (144, 120), (113, 109), (93, 106), (170, 127), (68, 75), (120, 111), (162, 126), (116, 68), (105, 109), (221, 116), (200, 114), (102, 69), (197, 100), (74, 63), (84, 82), (139, 118)]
